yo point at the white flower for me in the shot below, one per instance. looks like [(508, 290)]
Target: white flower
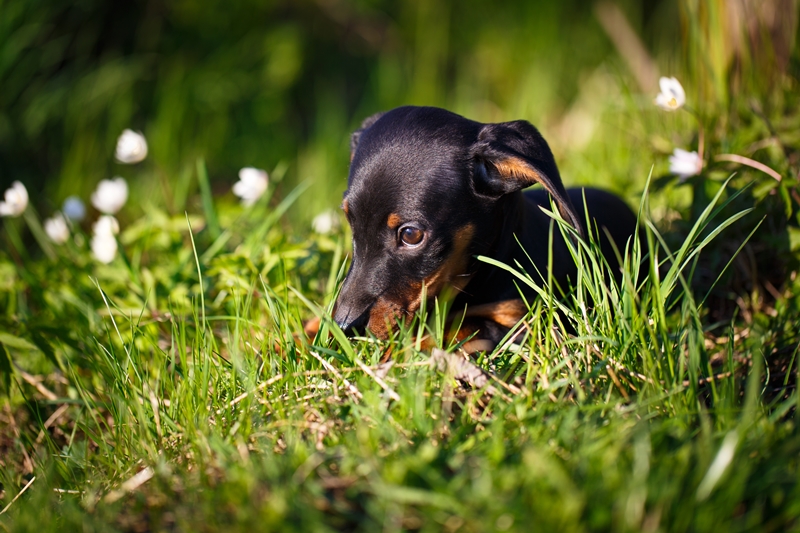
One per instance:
[(106, 226), (104, 243), (326, 222), (131, 147), (251, 185), (110, 195), (74, 209), (104, 248), (16, 200), (672, 96), (57, 229), (685, 164)]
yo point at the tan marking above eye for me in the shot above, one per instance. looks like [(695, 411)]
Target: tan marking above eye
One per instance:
[(393, 221), (345, 207)]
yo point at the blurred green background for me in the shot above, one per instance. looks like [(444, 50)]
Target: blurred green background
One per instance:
[(283, 83)]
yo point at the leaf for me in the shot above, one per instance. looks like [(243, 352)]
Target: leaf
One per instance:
[(208, 200), (17, 342), (461, 368), (45, 347), (5, 367)]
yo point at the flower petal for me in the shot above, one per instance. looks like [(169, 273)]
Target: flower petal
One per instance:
[(252, 184), (74, 209), (106, 225), (131, 147), (110, 195), (104, 248), (672, 95), (684, 163), (57, 229), (16, 200)]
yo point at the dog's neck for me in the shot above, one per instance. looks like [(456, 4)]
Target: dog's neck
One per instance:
[(508, 224), (520, 237)]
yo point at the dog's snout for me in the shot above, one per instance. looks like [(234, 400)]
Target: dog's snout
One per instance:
[(350, 320)]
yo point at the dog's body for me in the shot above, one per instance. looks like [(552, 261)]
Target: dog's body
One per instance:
[(429, 190)]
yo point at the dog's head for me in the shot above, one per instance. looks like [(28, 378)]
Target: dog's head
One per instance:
[(426, 192)]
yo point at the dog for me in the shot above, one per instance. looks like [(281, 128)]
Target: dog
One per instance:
[(429, 191)]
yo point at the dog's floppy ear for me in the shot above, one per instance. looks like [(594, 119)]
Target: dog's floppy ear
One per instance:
[(511, 156), (369, 121)]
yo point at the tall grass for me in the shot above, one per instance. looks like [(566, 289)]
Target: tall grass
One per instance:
[(179, 414), (172, 389)]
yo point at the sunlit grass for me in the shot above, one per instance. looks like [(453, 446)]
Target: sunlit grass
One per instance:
[(177, 392), (173, 389)]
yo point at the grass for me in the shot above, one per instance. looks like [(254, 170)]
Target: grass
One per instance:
[(170, 391)]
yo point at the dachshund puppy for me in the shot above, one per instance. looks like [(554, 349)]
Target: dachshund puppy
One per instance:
[(429, 190)]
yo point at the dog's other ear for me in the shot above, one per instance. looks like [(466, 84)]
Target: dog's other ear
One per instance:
[(368, 122), (512, 156)]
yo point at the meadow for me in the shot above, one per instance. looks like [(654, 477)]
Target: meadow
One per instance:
[(153, 371)]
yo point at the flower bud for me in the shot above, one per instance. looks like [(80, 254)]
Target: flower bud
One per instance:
[(74, 209), (131, 147), (672, 95), (110, 195), (57, 229), (251, 185), (685, 164), (16, 201)]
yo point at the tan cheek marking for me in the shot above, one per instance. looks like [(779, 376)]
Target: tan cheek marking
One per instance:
[(452, 269), (380, 318), (346, 207), (388, 311), (393, 221)]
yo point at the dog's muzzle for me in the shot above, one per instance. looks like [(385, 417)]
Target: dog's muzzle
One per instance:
[(352, 322)]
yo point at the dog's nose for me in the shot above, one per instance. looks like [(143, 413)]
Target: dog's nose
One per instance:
[(351, 322)]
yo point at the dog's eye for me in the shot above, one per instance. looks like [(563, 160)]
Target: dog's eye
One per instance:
[(411, 236)]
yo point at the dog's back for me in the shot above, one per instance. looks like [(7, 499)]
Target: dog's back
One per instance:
[(609, 215)]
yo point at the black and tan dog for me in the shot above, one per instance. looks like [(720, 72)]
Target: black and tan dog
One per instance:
[(429, 191)]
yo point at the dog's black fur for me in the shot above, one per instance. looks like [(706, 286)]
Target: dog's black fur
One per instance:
[(460, 183)]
